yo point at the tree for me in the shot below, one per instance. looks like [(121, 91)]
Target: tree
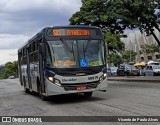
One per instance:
[(150, 49), (1, 72), (129, 55), (117, 15), (11, 68), (95, 13), (114, 58), (114, 43)]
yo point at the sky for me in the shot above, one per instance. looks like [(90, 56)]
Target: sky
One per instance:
[(20, 20)]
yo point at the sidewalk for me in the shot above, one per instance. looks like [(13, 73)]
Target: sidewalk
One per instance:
[(155, 79)]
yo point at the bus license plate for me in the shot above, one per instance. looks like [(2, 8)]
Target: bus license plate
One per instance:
[(81, 87)]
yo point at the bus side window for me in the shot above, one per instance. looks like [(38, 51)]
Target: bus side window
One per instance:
[(36, 56)]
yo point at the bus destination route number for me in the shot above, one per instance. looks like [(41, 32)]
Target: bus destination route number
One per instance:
[(57, 32)]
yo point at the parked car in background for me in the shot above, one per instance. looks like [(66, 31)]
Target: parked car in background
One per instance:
[(126, 70), (121, 70), (11, 77), (153, 63), (108, 72), (112, 71), (134, 71), (151, 70)]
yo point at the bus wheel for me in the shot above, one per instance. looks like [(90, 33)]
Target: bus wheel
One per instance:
[(88, 94), (43, 97)]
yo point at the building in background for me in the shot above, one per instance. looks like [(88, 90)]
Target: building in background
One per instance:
[(135, 40)]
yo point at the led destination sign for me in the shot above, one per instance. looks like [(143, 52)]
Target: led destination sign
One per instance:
[(71, 32), (58, 32), (77, 32)]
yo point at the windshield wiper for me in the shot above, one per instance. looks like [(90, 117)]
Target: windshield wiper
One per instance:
[(66, 45), (86, 47)]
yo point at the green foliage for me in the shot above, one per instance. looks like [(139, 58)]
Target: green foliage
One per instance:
[(95, 13), (114, 58), (117, 15), (129, 56), (9, 69), (1, 72), (150, 48), (114, 43)]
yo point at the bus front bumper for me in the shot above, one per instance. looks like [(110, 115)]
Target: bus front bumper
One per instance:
[(52, 89)]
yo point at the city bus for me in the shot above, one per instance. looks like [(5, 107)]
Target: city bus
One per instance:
[(63, 60)]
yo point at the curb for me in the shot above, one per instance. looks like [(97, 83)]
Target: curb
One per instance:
[(134, 80)]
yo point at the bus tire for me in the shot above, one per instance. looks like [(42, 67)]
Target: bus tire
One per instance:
[(25, 88), (43, 97), (88, 94), (39, 91), (154, 74)]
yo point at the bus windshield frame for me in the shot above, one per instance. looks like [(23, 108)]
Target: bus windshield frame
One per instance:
[(75, 53)]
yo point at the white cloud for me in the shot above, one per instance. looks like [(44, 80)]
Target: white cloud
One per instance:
[(20, 20), (12, 41), (8, 55), (56, 5), (18, 15)]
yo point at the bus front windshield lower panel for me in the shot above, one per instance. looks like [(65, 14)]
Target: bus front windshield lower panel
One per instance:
[(75, 53)]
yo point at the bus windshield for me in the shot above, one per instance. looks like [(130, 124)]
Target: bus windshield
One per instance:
[(75, 53)]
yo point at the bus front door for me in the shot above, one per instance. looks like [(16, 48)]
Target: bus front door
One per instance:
[(41, 67)]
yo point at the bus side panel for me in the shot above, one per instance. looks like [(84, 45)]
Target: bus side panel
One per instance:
[(24, 75), (34, 75), (28, 70)]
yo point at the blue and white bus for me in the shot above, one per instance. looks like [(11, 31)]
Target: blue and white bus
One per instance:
[(62, 60)]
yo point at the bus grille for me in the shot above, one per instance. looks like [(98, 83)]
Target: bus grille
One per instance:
[(68, 87), (73, 73)]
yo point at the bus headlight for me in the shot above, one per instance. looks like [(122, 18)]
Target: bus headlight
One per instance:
[(55, 81), (51, 79), (102, 77), (105, 75)]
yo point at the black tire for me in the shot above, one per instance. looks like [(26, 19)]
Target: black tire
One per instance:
[(88, 94), (39, 91), (44, 98), (154, 74)]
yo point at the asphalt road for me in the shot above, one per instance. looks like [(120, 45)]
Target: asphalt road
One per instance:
[(122, 99)]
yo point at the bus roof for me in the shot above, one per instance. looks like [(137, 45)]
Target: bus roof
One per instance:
[(56, 27)]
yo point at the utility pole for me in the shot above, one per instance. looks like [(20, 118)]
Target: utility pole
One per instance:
[(135, 50)]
